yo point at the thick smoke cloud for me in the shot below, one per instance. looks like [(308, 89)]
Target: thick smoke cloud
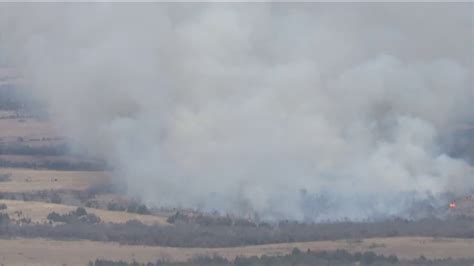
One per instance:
[(301, 111)]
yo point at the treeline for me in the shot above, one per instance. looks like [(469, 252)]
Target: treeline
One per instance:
[(213, 220), (300, 258), (72, 197), (49, 196), (76, 163), (132, 207), (57, 165), (77, 216), (45, 150), (195, 235)]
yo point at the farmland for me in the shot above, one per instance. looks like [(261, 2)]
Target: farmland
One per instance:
[(31, 194)]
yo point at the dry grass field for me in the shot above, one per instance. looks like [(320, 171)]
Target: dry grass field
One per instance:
[(33, 132), (38, 211), (26, 180), (51, 252), (29, 129)]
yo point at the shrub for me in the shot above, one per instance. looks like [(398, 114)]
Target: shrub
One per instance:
[(55, 217), (80, 211), (138, 208), (296, 251), (80, 215), (55, 198), (113, 206)]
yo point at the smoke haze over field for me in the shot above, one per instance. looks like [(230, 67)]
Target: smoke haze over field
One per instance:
[(262, 108)]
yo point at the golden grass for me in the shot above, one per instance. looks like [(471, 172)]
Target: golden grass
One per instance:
[(27, 180), (38, 211), (25, 127), (51, 252)]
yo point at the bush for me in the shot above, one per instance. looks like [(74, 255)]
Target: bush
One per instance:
[(142, 209), (138, 208), (80, 211), (90, 218), (296, 251), (55, 217), (55, 198), (113, 206), (80, 215)]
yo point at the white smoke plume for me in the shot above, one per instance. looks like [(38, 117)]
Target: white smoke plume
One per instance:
[(257, 107)]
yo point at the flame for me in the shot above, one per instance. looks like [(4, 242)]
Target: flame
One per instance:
[(452, 205)]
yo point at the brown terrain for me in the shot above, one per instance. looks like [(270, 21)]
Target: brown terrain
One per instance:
[(27, 180), (78, 252), (38, 211), (23, 130), (40, 251)]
